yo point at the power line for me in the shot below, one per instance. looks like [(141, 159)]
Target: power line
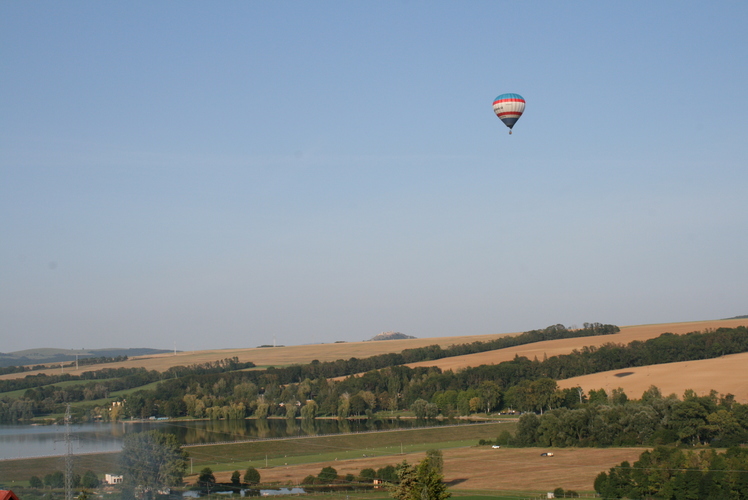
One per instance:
[(68, 457)]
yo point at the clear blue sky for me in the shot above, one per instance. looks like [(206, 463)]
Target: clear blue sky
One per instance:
[(213, 174)]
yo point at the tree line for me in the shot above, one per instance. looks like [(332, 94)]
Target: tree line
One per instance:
[(43, 397), (614, 420), (672, 473)]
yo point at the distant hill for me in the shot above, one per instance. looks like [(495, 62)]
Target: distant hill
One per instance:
[(391, 336), (301, 354), (45, 356)]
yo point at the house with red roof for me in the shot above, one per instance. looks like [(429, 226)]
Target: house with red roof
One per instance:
[(7, 495)]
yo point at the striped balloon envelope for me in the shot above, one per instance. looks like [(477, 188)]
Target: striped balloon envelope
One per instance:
[(509, 107)]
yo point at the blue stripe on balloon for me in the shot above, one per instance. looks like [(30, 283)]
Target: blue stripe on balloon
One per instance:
[(509, 96)]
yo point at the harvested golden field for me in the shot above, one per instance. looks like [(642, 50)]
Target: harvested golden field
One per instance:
[(484, 468), (728, 374), (556, 347), (278, 356), (281, 356)]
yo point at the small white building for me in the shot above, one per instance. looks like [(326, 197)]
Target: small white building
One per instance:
[(112, 479)]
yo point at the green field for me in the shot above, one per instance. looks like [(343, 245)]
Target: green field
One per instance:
[(303, 450), (223, 457), (382, 494)]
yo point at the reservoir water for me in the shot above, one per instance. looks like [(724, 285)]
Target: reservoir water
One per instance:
[(24, 441)]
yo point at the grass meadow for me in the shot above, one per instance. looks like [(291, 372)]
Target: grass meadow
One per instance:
[(266, 455)]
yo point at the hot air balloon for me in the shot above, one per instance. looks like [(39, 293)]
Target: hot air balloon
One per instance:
[(509, 107)]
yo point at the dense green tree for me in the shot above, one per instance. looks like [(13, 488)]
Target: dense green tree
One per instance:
[(206, 480), (618, 396), (617, 483), (262, 411), (252, 476), (504, 438), (598, 396), (544, 393), (667, 472), (291, 410), (90, 480), (367, 475), (421, 482), (435, 460), (527, 430), (370, 399), (463, 400), (55, 480), (236, 478), (419, 408), (35, 482), (490, 393), (725, 429), (688, 420), (387, 474), (344, 406), (152, 460), (357, 404), (246, 391), (309, 410), (446, 401), (327, 475)]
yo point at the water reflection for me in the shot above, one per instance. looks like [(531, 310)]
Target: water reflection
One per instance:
[(283, 491), (308, 427), (344, 426), (292, 428), (263, 428), (19, 441)]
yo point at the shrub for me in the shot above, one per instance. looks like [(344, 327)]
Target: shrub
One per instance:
[(236, 478), (327, 475), (504, 438), (388, 474), (90, 480), (252, 476), (367, 475)]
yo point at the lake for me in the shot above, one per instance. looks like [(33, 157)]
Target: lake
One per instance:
[(24, 441)]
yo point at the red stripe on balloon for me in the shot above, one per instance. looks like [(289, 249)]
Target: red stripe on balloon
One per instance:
[(509, 100)]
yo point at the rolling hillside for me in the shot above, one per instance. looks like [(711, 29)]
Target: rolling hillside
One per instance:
[(726, 375), (564, 346), (723, 375), (277, 356)]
